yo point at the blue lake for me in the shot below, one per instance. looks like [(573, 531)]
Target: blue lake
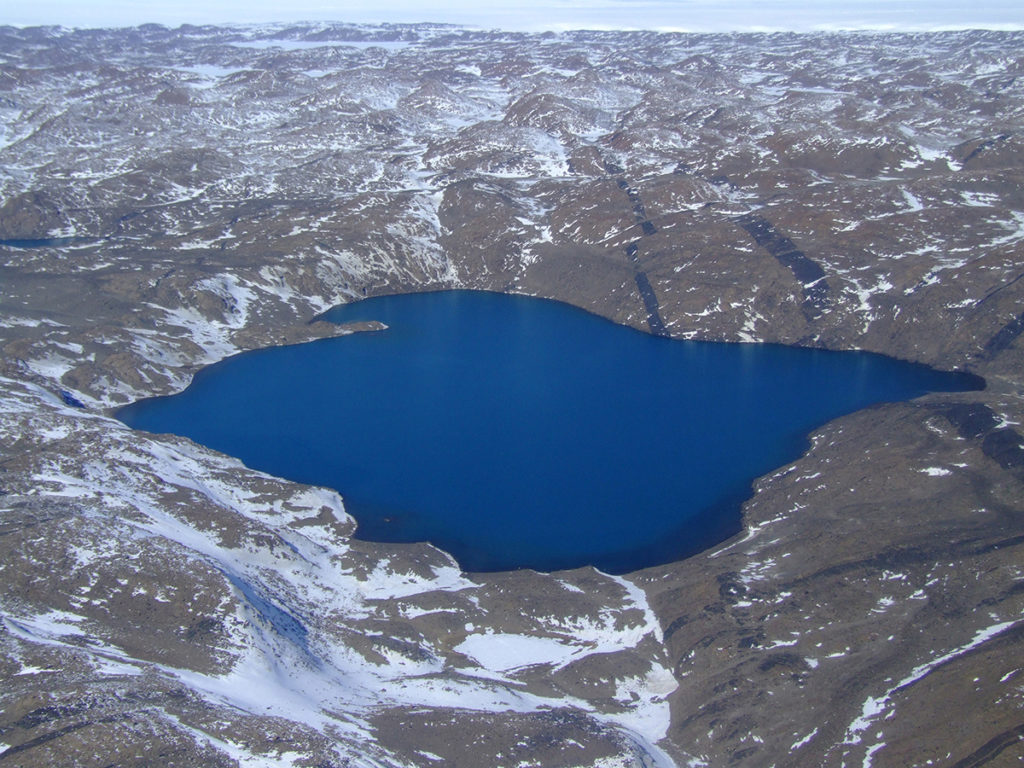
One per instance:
[(518, 432)]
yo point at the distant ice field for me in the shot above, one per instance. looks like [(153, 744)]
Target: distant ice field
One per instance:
[(534, 15)]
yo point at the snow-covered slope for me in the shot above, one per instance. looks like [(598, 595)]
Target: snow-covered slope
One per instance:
[(153, 561)]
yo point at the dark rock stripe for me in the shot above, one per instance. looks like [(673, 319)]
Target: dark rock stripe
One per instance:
[(974, 421), (807, 272), (994, 291), (654, 321), (985, 145), (643, 283), (639, 212), (1004, 446), (47, 737), (906, 557), (646, 291), (40, 740), (992, 748), (1005, 337)]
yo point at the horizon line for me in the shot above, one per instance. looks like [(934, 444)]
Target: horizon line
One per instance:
[(558, 27)]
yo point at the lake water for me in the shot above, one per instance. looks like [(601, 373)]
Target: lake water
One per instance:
[(518, 432), (46, 242)]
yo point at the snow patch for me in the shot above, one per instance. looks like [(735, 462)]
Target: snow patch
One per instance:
[(501, 652)]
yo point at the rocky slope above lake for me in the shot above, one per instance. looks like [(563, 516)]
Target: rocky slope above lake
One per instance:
[(171, 197)]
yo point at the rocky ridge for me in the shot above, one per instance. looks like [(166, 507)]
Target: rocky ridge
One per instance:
[(171, 197)]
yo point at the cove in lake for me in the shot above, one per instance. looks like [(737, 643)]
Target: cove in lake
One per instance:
[(518, 432)]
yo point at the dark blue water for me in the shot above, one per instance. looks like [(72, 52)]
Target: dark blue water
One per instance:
[(517, 432), (46, 242)]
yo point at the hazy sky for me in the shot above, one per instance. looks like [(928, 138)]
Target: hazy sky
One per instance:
[(698, 15)]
